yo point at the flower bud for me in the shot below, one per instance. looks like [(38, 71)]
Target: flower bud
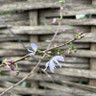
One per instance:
[(10, 61), (9, 64), (61, 8), (29, 74), (69, 52), (13, 69), (82, 32), (9, 68), (54, 20)]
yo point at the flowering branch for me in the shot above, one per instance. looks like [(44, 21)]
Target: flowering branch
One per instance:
[(46, 51), (50, 63), (37, 63), (26, 56)]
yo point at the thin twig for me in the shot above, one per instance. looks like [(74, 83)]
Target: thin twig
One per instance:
[(35, 66), (61, 45), (8, 89)]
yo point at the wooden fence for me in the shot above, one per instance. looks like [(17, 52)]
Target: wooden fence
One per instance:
[(31, 20)]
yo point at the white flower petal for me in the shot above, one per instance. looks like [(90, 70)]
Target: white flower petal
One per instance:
[(52, 66), (29, 50), (32, 54), (34, 46), (46, 66), (60, 58), (56, 61)]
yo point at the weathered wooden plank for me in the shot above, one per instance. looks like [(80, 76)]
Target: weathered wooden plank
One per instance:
[(67, 60), (77, 60), (71, 11), (77, 73), (17, 23), (15, 17), (27, 6), (79, 53), (12, 53), (65, 65), (39, 30), (33, 19), (44, 1), (63, 88), (10, 1), (38, 77), (41, 45), (31, 6), (67, 1), (85, 2), (22, 66), (85, 21), (89, 37), (92, 60), (93, 2), (81, 86), (83, 53), (2, 26), (64, 37), (70, 72), (23, 91), (10, 37)]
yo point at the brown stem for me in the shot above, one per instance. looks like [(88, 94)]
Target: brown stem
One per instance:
[(60, 45), (26, 56), (22, 58)]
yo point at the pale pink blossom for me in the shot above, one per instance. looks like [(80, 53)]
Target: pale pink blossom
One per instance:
[(54, 20), (61, 8), (53, 61), (82, 32)]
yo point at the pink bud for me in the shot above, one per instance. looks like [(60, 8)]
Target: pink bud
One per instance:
[(78, 30), (64, 30), (61, 8), (54, 20), (69, 53), (9, 64), (13, 69), (9, 68), (29, 74), (82, 32), (10, 61)]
